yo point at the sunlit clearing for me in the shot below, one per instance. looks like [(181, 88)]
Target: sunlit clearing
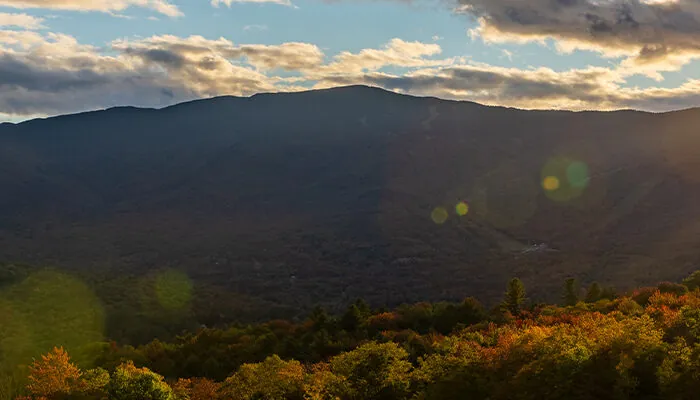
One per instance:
[(439, 215), (49, 309), (173, 290), (550, 183), (462, 209), (564, 179)]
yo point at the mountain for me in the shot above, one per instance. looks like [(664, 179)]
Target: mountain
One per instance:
[(326, 196)]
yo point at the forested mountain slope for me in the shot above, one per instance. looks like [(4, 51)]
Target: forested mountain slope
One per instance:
[(325, 196)]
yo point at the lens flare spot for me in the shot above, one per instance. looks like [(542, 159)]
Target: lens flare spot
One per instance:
[(173, 290), (439, 215), (550, 183), (577, 174), (565, 179), (50, 309), (462, 209)]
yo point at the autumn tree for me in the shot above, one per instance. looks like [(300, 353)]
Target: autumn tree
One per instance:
[(131, 383), (515, 297), (196, 389), (372, 371), (272, 379), (53, 375)]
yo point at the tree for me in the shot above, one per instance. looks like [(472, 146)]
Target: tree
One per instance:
[(609, 293), (515, 297), (692, 281), (352, 319), (53, 375), (594, 293), (272, 379), (372, 371), (570, 292), (320, 318), (196, 389), (131, 383), (93, 382)]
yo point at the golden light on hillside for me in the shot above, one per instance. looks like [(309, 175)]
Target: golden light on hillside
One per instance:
[(49, 309), (439, 215), (462, 209)]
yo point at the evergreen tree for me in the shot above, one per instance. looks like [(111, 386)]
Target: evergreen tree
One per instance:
[(515, 297), (609, 293), (692, 281), (570, 292), (594, 293), (352, 319)]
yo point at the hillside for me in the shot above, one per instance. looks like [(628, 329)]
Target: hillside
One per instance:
[(292, 200)]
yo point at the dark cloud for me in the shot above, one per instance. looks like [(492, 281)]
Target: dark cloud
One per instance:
[(645, 29)]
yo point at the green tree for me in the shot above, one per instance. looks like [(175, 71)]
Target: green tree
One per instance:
[(609, 293), (692, 281), (272, 379), (131, 383), (353, 319), (570, 292), (93, 383), (320, 318), (373, 371), (594, 293), (515, 297)]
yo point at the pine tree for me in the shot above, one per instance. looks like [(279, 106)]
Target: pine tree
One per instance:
[(594, 293), (570, 292), (515, 297)]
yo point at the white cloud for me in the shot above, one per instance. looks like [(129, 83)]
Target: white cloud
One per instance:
[(397, 52), (20, 21), (109, 6)]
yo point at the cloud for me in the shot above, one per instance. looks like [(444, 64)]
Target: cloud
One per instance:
[(109, 6), (174, 52), (48, 74), (53, 73), (653, 35), (20, 21), (397, 52), (578, 89), (228, 3)]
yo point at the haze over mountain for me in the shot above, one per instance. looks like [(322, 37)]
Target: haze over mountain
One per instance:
[(326, 196)]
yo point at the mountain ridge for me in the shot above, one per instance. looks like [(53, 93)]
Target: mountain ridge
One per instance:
[(339, 89), (340, 189)]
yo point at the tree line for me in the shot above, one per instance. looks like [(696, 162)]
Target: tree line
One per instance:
[(593, 345)]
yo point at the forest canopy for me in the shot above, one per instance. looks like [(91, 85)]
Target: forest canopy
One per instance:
[(594, 345)]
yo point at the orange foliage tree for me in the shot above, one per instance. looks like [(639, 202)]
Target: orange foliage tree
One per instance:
[(53, 375)]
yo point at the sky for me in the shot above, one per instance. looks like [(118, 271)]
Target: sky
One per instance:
[(67, 56)]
